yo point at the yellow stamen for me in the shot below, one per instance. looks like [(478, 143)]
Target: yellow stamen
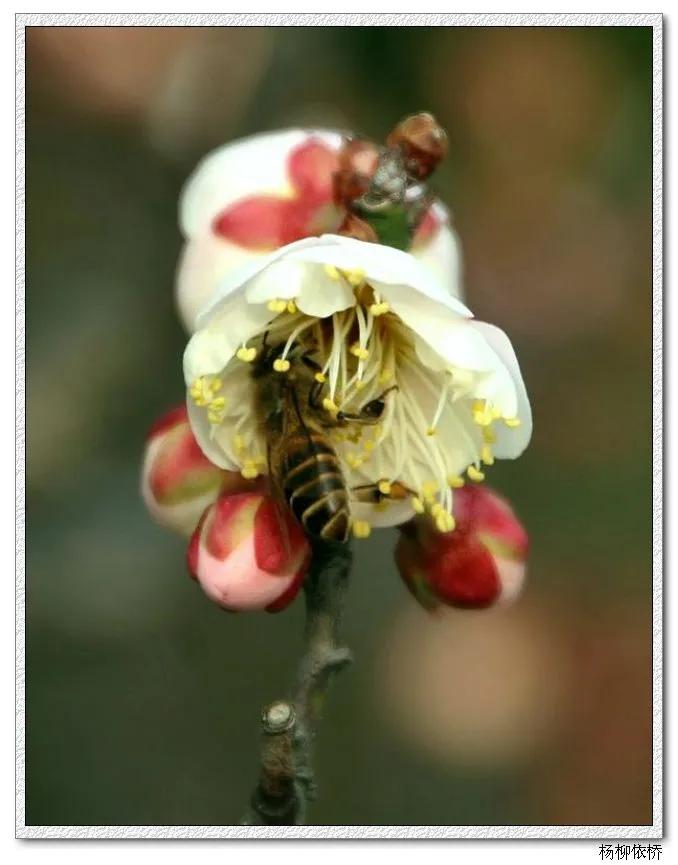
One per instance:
[(249, 470), (445, 522), (354, 461), (489, 435), (456, 482), (280, 365), (486, 455), (431, 431), (291, 307), (359, 384), (378, 309), (355, 277), (330, 405), (319, 377), (277, 305), (359, 352), (384, 488), (512, 422), (385, 376), (436, 509), (429, 489), (475, 474), (331, 271), (361, 529), (245, 354), (369, 445), (417, 505)]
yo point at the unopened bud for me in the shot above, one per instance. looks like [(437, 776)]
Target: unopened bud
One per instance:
[(249, 554), (177, 480), (479, 563), (423, 143)]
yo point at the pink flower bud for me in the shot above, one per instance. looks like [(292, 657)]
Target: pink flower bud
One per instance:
[(177, 480), (478, 564), (249, 554)]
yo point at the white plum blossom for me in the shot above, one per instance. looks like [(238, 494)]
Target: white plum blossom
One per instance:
[(250, 197), (380, 324)]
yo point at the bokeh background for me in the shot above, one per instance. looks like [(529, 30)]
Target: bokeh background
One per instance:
[(143, 697)]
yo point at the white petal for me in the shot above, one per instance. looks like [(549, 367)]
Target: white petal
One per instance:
[(210, 349), (445, 332), (282, 279), (251, 166), (241, 277), (382, 266), (205, 262), (396, 513), (201, 427), (322, 296), (511, 442), (442, 254)]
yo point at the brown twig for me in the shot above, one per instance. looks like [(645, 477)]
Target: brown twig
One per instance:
[(286, 784)]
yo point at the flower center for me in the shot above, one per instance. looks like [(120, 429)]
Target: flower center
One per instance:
[(431, 431)]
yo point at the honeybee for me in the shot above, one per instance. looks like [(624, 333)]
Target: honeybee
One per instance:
[(303, 466)]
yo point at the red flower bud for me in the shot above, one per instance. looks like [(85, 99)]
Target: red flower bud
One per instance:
[(422, 141), (249, 554), (177, 480), (480, 563)]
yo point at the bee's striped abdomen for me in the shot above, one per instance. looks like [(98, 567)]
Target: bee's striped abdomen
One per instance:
[(314, 487)]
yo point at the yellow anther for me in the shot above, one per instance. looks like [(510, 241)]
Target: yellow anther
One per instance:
[(320, 377), (456, 482), (215, 417), (436, 509), (331, 271), (417, 505), (478, 405), (378, 309), (291, 307), (239, 443), (360, 384), (330, 405), (475, 474), (496, 413), (361, 529), (249, 470), (245, 354), (215, 384), (385, 376), (429, 489), (489, 435), (369, 445), (354, 461), (359, 352), (276, 305), (445, 522), (280, 365), (486, 455), (512, 422), (384, 488), (355, 277), (431, 431)]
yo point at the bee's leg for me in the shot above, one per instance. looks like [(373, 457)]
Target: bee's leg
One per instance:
[(368, 494), (370, 413), (371, 494)]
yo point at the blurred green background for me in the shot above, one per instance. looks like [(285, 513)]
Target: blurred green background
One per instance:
[(142, 696)]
